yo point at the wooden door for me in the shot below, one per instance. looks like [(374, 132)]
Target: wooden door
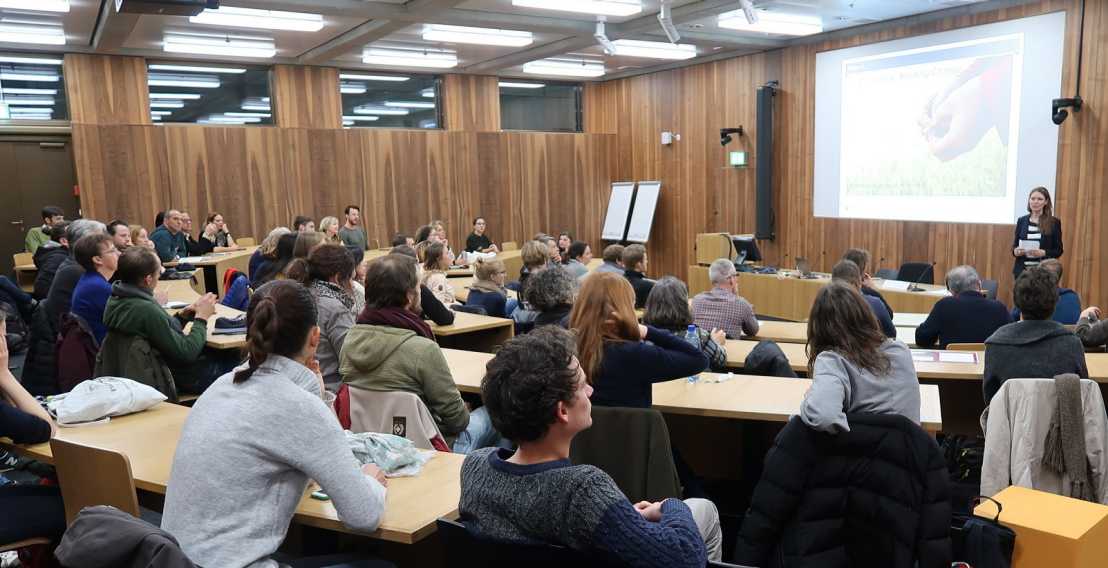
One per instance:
[(37, 171)]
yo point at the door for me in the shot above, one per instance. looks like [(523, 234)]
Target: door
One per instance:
[(36, 171)]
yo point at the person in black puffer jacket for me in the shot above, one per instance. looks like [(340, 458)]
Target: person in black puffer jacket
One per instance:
[(876, 496)]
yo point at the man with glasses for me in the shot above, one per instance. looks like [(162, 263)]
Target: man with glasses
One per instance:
[(98, 255), (722, 307)]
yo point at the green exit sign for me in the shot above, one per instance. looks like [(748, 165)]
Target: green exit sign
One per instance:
[(736, 159)]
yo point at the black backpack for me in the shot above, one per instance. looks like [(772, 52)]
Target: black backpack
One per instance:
[(17, 332), (981, 542), (964, 456)]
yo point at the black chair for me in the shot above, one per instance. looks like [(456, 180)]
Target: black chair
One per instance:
[(919, 272), (479, 310), (886, 274), (466, 549), (640, 461), (989, 287)]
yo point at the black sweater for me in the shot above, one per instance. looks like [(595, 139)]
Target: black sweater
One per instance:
[(1051, 244), (630, 368), (969, 317), (21, 427)]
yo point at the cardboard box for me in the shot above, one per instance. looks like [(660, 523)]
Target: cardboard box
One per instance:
[(710, 246), (1052, 530)]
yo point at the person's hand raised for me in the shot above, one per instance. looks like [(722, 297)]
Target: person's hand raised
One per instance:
[(205, 306)]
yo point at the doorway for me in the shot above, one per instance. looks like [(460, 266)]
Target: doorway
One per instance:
[(35, 171)]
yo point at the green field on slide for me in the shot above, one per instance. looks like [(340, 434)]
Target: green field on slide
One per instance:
[(977, 173)]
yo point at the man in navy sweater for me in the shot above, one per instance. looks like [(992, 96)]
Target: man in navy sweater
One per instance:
[(1068, 309), (847, 271), (967, 316), (537, 395)]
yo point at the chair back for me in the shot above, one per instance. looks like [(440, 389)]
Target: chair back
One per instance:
[(639, 459), (965, 347), (990, 287), (484, 552), (245, 241), (509, 245), (394, 412), (886, 274), (91, 476), (23, 259), (919, 272)]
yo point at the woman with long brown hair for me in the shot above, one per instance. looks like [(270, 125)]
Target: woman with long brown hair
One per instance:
[(621, 357), (853, 366), (1039, 228)]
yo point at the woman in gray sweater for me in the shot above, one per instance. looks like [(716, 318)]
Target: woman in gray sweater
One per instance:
[(255, 438), (328, 274), (853, 366)]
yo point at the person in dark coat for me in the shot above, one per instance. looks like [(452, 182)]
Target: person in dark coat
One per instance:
[(861, 257), (848, 272), (634, 260), (48, 258), (550, 291), (876, 496), (965, 317)]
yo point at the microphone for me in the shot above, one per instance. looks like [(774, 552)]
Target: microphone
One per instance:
[(915, 287)]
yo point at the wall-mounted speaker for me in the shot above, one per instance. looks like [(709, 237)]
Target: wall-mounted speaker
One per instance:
[(763, 161)]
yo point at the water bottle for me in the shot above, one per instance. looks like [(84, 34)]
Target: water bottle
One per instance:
[(694, 340)]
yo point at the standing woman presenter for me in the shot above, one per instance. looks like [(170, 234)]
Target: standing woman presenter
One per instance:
[(1038, 234)]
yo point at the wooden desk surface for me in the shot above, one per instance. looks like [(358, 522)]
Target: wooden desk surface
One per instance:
[(212, 259), (468, 368), (411, 507), (798, 360), (459, 273), (797, 332), (466, 323), (182, 291)]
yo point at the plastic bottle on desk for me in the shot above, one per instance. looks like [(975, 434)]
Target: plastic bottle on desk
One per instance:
[(694, 340)]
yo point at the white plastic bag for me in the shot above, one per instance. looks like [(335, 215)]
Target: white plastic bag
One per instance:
[(95, 399)]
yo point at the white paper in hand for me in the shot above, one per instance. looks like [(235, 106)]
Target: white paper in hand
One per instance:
[(95, 399)]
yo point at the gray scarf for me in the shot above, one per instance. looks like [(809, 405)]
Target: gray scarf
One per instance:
[(324, 289), (1064, 448), (487, 286)]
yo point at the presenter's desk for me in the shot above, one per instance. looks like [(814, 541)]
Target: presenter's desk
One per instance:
[(149, 440)]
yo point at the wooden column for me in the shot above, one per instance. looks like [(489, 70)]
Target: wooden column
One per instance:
[(471, 102), (306, 97), (106, 89)]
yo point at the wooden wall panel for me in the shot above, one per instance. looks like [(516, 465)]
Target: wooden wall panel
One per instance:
[(471, 102), (106, 89), (306, 97), (122, 170)]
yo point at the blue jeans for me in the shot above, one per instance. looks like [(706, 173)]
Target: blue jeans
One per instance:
[(15, 296), (479, 434), (510, 306)]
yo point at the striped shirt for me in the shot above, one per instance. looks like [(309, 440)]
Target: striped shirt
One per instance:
[(722, 309)]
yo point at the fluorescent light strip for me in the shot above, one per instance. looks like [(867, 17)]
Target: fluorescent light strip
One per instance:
[(220, 45), (348, 118), (408, 58), (192, 68), (41, 35), (29, 101), (478, 36), (256, 104), (374, 109), (601, 7), (167, 104), (161, 112), (191, 81), (248, 114), (233, 119), (262, 19), (28, 76), (352, 88), (21, 91), (409, 104), (37, 5), (176, 96), (772, 23), (654, 49), (564, 68), (354, 77), (514, 85), (428, 93), (29, 60)]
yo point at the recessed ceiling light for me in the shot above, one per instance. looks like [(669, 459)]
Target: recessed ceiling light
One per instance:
[(232, 46), (410, 58), (379, 109), (37, 5), (358, 77), (191, 81), (176, 96), (29, 60), (772, 23), (254, 103), (167, 104), (352, 88), (29, 101), (21, 91), (221, 119), (194, 69), (409, 104), (249, 114), (563, 67), (479, 36), (261, 19), (654, 49), (601, 7), (348, 118), (20, 74), (428, 93), (36, 34), (514, 85)]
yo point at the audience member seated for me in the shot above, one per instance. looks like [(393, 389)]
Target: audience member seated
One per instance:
[(273, 265), (550, 293), (30, 511), (847, 272), (391, 348), (1068, 309), (967, 316), (553, 251), (667, 307), (401, 239), (537, 394), (16, 297), (48, 257), (1035, 346), (327, 274), (436, 260), (535, 255), (38, 236), (254, 440), (218, 235), (722, 307), (140, 237), (196, 247), (423, 234), (267, 249), (1091, 330), (487, 290), (329, 226), (351, 233), (634, 258), (306, 242), (621, 357), (580, 255), (565, 240), (861, 257), (170, 243), (430, 306), (303, 224), (159, 219), (854, 369), (133, 313), (60, 296), (478, 241), (120, 232), (613, 260), (97, 254)]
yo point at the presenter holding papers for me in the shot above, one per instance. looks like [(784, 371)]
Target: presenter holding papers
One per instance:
[(1038, 234)]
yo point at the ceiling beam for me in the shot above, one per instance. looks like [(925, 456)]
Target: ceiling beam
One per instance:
[(112, 28), (373, 30)]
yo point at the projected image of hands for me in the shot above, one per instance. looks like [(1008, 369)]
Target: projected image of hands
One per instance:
[(959, 115)]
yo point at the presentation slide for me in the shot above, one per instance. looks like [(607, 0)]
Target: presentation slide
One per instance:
[(949, 127)]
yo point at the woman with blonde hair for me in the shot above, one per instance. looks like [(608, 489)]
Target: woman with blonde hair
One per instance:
[(329, 226), (140, 238), (266, 250), (621, 357), (436, 259), (487, 290)]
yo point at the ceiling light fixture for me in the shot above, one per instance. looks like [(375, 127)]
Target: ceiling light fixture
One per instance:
[(772, 23), (261, 104), (748, 10), (31, 75), (21, 91), (565, 68), (231, 46), (190, 81), (409, 104), (260, 19), (167, 104), (410, 58), (161, 112), (29, 60), (380, 110), (479, 36), (352, 88), (654, 49), (348, 118), (514, 85), (37, 5), (193, 68), (36, 34), (249, 114), (601, 7), (428, 93), (353, 77), (29, 101), (219, 118), (176, 96)]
